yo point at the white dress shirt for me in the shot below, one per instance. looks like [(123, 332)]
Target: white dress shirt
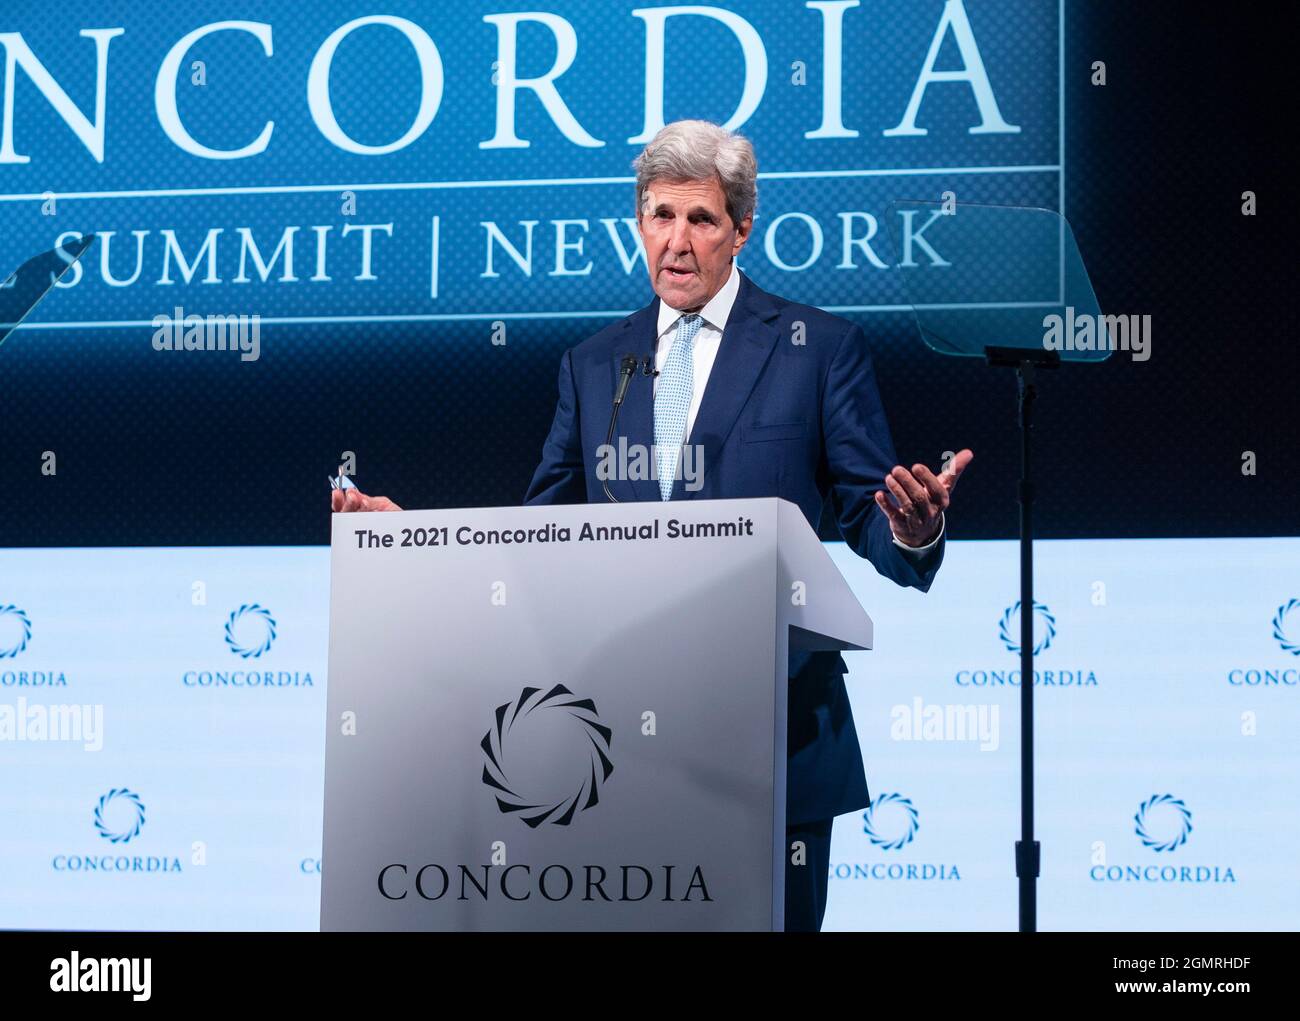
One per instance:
[(705, 353), (707, 341)]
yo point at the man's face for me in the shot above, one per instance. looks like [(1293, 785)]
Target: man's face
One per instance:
[(689, 240)]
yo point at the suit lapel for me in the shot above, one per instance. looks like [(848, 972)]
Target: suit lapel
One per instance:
[(747, 342), (636, 419)]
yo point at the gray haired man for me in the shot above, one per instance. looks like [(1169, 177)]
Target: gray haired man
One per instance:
[(799, 421)]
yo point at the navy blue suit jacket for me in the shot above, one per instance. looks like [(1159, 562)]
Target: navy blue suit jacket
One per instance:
[(802, 421)]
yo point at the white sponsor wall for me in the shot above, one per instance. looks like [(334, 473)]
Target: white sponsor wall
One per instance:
[(222, 756), (1167, 740), (1168, 710)]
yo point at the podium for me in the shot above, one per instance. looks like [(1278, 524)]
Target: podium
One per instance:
[(567, 717)]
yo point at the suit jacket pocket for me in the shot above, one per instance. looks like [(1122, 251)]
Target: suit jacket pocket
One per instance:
[(782, 431)]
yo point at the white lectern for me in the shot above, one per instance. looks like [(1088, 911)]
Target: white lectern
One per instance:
[(560, 718)]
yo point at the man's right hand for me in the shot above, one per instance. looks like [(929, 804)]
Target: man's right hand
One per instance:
[(343, 501)]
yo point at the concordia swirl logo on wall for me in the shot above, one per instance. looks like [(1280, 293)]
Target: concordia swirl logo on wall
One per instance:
[(1009, 627), (250, 631), (119, 815), (1045, 631), (1162, 824), (248, 634), (15, 634), (891, 823), (898, 826), (1285, 629), (119, 818), (513, 719), (1286, 626), (15, 631)]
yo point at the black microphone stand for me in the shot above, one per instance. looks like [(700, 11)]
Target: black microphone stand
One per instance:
[(627, 369)]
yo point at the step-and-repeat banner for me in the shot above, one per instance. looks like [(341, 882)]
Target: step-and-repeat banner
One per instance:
[(162, 736)]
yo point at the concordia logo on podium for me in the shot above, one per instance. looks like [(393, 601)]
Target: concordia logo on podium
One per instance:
[(1045, 630), (558, 809), (15, 634), (541, 727), (891, 824), (249, 633), (1162, 824), (1286, 632), (119, 818)]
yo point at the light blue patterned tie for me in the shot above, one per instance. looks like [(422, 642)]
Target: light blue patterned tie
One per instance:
[(673, 401)]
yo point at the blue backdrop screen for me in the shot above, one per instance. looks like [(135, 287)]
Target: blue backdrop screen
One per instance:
[(323, 166)]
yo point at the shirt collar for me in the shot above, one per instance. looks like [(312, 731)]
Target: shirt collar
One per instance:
[(715, 313)]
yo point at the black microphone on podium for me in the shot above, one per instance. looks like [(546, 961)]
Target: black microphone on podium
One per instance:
[(627, 369)]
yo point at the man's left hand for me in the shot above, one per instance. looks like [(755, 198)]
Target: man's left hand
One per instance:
[(920, 498)]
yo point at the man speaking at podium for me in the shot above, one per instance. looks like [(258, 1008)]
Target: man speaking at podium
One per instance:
[(751, 396)]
